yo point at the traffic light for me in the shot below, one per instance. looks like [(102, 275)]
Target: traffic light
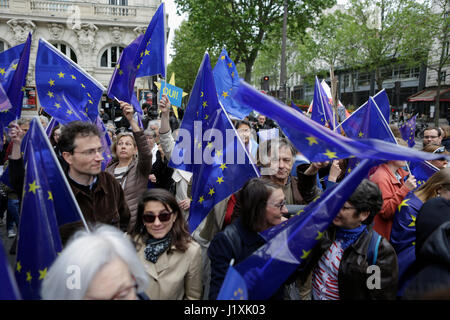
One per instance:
[(265, 83)]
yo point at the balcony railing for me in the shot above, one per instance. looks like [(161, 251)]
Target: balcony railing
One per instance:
[(111, 10), (50, 6)]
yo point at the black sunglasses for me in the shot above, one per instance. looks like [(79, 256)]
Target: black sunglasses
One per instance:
[(150, 218)]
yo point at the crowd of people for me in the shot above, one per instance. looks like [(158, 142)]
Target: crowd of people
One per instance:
[(140, 247)]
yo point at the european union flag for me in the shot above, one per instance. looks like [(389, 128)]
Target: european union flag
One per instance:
[(226, 78), (66, 92), (408, 131), (13, 72), (210, 156), (233, 287), (51, 125), (39, 241), (145, 56), (292, 241), (422, 171), (317, 143), (368, 122), (9, 289), (152, 49), (322, 110), (106, 142), (66, 207), (5, 104), (382, 101), (403, 234)]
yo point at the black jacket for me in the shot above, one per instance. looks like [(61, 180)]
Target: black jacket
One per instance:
[(434, 276), (353, 273), (220, 253)]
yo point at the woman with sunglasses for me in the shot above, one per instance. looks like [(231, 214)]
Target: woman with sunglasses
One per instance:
[(403, 236), (263, 205), (170, 256), (132, 162)]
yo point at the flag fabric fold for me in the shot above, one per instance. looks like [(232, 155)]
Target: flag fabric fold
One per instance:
[(234, 287), (226, 78), (41, 151), (322, 110), (145, 56), (290, 243), (209, 147), (422, 171), (8, 288), (106, 142), (408, 131), (13, 75), (317, 143), (38, 240), (65, 90)]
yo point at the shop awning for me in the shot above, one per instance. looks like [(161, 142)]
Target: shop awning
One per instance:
[(430, 95)]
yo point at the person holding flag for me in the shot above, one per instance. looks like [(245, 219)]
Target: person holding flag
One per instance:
[(131, 171), (340, 260), (403, 235), (394, 183), (99, 196)]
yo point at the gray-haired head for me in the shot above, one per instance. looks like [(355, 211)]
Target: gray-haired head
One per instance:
[(85, 254)]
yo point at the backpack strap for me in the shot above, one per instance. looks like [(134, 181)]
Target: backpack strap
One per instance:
[(372, 249)]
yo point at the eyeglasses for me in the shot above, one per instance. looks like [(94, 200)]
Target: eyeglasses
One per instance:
[(150, 218), (345, 208), (278, 205), (91, 152), (439, 150)]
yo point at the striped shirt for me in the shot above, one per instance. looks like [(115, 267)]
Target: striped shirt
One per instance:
[(119, 174), (325, 277)]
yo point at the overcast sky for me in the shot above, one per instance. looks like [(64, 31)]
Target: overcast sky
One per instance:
[(174, 22)]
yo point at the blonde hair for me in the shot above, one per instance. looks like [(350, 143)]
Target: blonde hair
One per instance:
[(118, 137), (428, 190)]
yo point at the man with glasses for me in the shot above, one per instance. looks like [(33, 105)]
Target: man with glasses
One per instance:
[(99, 195), (432, 135)]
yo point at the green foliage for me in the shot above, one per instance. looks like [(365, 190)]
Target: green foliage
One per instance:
[(244, 26)]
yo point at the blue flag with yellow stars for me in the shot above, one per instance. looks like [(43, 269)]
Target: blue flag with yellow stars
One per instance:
[(317, 143), (65, 91), (226, 78), (403, 234), (9, 289), (38, 242), (106, 142), (291, 242), (408, 131), (422, 171), (60, 192), (13, 75), (322, 110), (233, 287), (145, 56), (209, 147), (368, 122)]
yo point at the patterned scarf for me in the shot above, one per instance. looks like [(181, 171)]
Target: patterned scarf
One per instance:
[(348, 236), (156, 247)]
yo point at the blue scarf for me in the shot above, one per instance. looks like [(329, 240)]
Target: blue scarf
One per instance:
[(348, 236)]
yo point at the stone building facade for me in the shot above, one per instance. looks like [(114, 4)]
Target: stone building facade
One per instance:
[(91, 33)]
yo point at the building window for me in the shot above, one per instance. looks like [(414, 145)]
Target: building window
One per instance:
[(443, 75), (110, 57), (118, 2), (3, 46), (363, 79), (66, 50)]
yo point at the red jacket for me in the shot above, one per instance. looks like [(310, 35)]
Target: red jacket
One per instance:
[(393, 193)]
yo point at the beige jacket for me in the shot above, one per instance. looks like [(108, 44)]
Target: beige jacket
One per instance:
[(176, 275)]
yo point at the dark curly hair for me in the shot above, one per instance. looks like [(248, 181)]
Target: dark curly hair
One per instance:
[(73, 130), (367, 197)]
